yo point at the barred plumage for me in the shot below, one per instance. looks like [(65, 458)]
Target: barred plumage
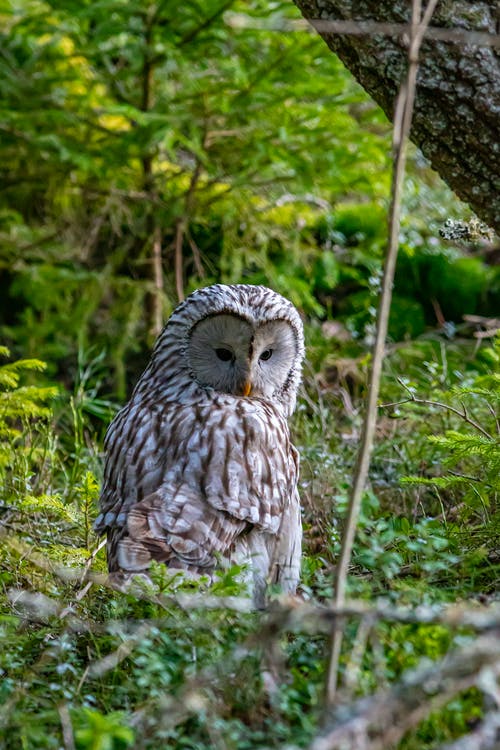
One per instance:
[(199, 466)]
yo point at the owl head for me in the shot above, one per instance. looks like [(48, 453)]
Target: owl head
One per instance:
[(242, 340)]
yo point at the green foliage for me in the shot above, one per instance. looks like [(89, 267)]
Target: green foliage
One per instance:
[(459, 285), (160, 124), (252, 154), (101, 732), (24, 413), (469, 455), (472, 453), (387, 545), (119, 671), (117, 129)]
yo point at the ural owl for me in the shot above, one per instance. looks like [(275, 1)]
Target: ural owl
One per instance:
[(200, 470)]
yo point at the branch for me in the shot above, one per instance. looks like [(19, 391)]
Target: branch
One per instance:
[(156, 261), (66, 726), (426, 402), (369, 28), (191, 35), (284, 613), (381, 720), (360, 28), (402, 123), (485, 737), (182, 221)]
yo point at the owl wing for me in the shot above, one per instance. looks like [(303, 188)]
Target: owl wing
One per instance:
[(132, 467), (182, 485)]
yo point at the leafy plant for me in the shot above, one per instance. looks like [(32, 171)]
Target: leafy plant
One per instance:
[(472, 453), (24, 415), (147, 149), (103, 732)]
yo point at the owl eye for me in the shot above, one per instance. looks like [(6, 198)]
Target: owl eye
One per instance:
[(266, 354), (225, 355)]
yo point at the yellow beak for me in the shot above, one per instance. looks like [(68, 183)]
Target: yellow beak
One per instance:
[(247, 389)]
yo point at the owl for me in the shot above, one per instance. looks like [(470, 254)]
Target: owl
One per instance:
[(200, 471)]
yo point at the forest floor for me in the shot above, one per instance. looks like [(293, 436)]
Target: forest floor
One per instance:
[(179, 665)]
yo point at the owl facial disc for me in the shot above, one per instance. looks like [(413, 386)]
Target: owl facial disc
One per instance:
[(236, 355)]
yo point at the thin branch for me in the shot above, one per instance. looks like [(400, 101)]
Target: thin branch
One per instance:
[(484, 737), (426, 402), (284, 614), (158, 283), (99, 667), (361, 28), (66, 726), (196, 256), (191, 35), (369, 28), (402, 122), (380, 721), (178, 260), (182, 221)]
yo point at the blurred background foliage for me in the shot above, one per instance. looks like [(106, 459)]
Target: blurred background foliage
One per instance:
[(150, 147), (138, 134)]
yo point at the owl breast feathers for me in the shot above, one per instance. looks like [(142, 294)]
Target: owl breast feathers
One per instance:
[(200, 471)]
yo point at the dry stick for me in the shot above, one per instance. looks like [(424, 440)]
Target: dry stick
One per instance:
[(182, 223), (158, 283), (66, 726), (179, 237), (196, 257), (379, 721), (362, 28), (369, 28), (484, 737), (402, 123), (285, 615)]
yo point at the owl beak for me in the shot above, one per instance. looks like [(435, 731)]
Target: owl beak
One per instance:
[(247, 388)]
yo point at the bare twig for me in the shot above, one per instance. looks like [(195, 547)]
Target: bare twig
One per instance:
[(464, 414), (285, 614), (182, 221), (66, 726), (112, 660), (401, 129), (158, 283), (196, 256), (353, 666), (307, 198), (179, 237), (485, 737), (380, 721), (491, 323), (362, 28), (369, 28)]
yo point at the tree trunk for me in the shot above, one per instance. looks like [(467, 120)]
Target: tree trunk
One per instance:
[(456, 121)]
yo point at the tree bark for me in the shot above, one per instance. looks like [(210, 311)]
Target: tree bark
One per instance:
[(456, 120)]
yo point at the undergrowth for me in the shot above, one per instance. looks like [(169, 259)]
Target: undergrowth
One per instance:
[(88, 667)]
